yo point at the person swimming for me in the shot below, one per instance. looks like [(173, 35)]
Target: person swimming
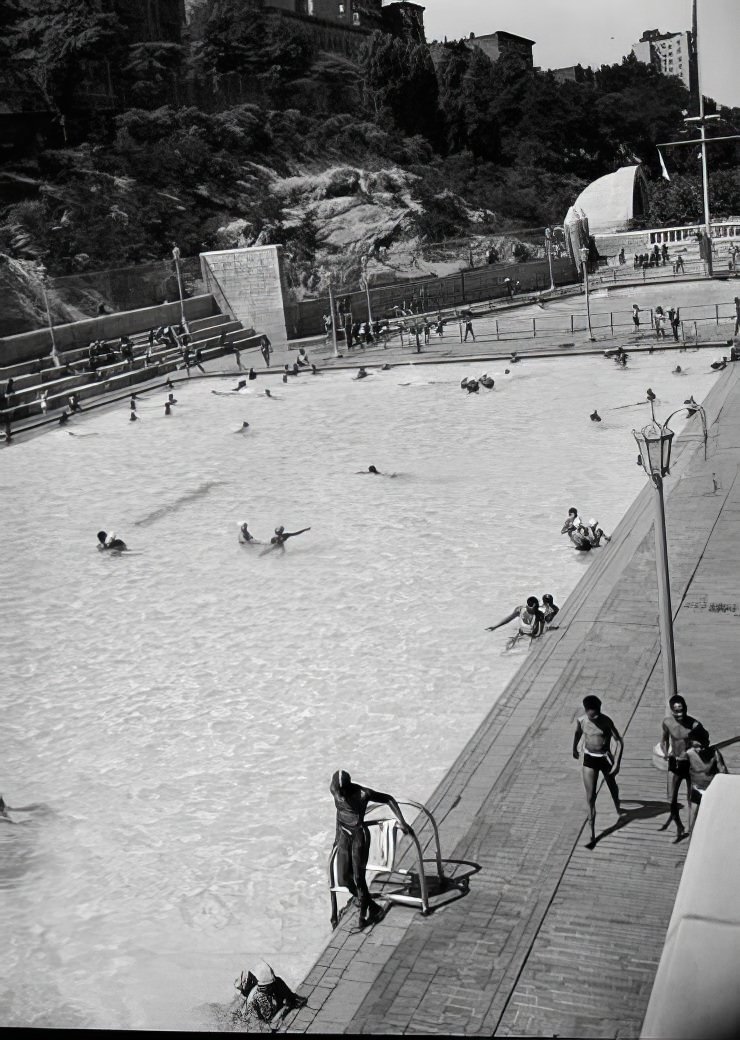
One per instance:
[(167, 408), (106, 541), (650, 395), (239, 386), (487, 381), (677, 371), (594, 416), (549, 609), (362, 374), (245, 536), (281, 536), (472, 386), (531, 622)]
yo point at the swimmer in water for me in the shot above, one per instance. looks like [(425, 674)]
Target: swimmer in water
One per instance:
[(110, 542), (240, 386), (594, 416), (377, 472), (281, 536), (268, 394), (531, 622), (362, 374), (167, 408), (5, 809), (245, 537), (650, 395), (573, 527), (677, 371), (549, 609)]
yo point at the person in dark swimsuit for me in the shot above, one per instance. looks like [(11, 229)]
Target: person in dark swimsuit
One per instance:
[(678, 730), (352, 840), (597, 732), (117, 544)]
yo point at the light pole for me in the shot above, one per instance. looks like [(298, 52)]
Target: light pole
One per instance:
[(176, 258), (584, 264), (367, 292), (333, 317), (654, 442), (548, 248), (54, 354)]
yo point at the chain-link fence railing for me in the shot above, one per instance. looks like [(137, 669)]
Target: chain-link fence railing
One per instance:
[(89, 293)]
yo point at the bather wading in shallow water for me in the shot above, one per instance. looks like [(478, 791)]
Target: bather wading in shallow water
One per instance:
[(352, 840), (280, 537), (531, 622), (106, 542)]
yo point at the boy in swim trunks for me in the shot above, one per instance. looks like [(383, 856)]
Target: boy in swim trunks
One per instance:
[(679, 729), (531, 622), (597, 732)]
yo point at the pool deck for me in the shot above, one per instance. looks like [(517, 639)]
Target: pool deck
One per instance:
[(554, 939)]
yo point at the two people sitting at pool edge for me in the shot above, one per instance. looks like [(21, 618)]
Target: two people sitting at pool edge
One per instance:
[(584, 536), (533, 620)]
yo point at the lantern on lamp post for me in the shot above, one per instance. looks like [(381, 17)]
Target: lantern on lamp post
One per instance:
[(655, 442)]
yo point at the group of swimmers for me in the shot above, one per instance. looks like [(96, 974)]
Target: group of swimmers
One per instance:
[(277, 541), (583, 536)]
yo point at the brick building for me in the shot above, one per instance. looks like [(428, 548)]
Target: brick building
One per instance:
[(494, 46), (501, 43)]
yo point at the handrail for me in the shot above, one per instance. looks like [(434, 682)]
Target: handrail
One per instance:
[(210, 273)]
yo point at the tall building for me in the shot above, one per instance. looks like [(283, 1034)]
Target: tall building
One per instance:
[(673, 54)]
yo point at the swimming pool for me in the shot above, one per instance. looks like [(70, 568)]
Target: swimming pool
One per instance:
[(181, 710)]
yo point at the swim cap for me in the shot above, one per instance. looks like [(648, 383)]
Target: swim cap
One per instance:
[(264, 974), (279, 530)]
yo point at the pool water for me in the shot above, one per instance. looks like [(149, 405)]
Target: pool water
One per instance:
[(181, 709)]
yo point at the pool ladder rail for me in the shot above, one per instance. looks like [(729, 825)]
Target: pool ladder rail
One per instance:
[(424, 888)]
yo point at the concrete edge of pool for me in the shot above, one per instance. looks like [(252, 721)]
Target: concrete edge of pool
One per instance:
[(553, 939)]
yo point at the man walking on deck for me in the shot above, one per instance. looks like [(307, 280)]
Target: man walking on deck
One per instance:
[(678, 731), (597, 732)]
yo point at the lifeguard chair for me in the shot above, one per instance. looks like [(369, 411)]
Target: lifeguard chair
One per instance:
[(430, 883)]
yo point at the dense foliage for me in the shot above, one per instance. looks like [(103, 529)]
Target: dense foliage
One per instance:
[(191, 137)]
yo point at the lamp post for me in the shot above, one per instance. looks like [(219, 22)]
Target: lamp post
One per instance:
[(367, 291), (54, 353), (584, 264), (654, 442), (176, 258), (333, 317), (548, 248)]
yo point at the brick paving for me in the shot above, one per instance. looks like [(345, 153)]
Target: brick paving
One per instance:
[(552, 938)]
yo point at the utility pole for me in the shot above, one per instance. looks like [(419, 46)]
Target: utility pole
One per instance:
[(700, 121)]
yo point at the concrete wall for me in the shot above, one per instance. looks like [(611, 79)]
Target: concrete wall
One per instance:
[(252, 282), (31, 345), (695, 994)]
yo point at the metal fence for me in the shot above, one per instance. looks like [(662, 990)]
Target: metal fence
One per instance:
[(488, 283), (694, 324), (124, 288)]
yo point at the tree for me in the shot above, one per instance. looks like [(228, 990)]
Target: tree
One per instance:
[(62, 41), (400, 85)]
